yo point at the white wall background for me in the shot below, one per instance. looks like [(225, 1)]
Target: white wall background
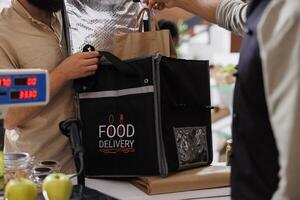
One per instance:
[(4, 3)]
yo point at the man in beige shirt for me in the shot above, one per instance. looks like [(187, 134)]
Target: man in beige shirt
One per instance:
[(278, 34), (31, 37)]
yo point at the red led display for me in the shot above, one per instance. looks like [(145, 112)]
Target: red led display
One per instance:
[(5, 82), (24, 94), (31, 81), (27, 94)]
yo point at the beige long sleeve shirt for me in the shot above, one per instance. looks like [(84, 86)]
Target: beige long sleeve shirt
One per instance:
[(28, 43), (279, 39)]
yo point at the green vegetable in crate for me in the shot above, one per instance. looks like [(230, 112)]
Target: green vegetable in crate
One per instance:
[(231, 69)]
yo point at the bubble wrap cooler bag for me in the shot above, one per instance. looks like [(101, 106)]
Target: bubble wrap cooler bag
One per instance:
[(148, 116), (95, 22)]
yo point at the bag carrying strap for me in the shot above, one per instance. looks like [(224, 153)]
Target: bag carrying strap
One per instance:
[(117, 63), (120, 65), (66, 26), (152, 26)]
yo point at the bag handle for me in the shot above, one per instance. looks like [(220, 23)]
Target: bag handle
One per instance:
[(120, 65), (152, 25)]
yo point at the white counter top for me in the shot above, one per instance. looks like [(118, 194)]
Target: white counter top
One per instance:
[(125, 191)]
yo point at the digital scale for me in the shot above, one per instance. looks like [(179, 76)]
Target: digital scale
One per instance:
[(24, 87), (20, 87)]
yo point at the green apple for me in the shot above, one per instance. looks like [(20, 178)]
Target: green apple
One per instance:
[(57, 186), (21, 189)]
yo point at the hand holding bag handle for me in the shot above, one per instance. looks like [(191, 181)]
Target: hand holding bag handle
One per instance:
[(83, 84), (152, 25), (140, 44), (120, 65)]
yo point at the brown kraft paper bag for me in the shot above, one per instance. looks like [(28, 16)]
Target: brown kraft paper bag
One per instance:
[(140, 44), (189, 180)]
